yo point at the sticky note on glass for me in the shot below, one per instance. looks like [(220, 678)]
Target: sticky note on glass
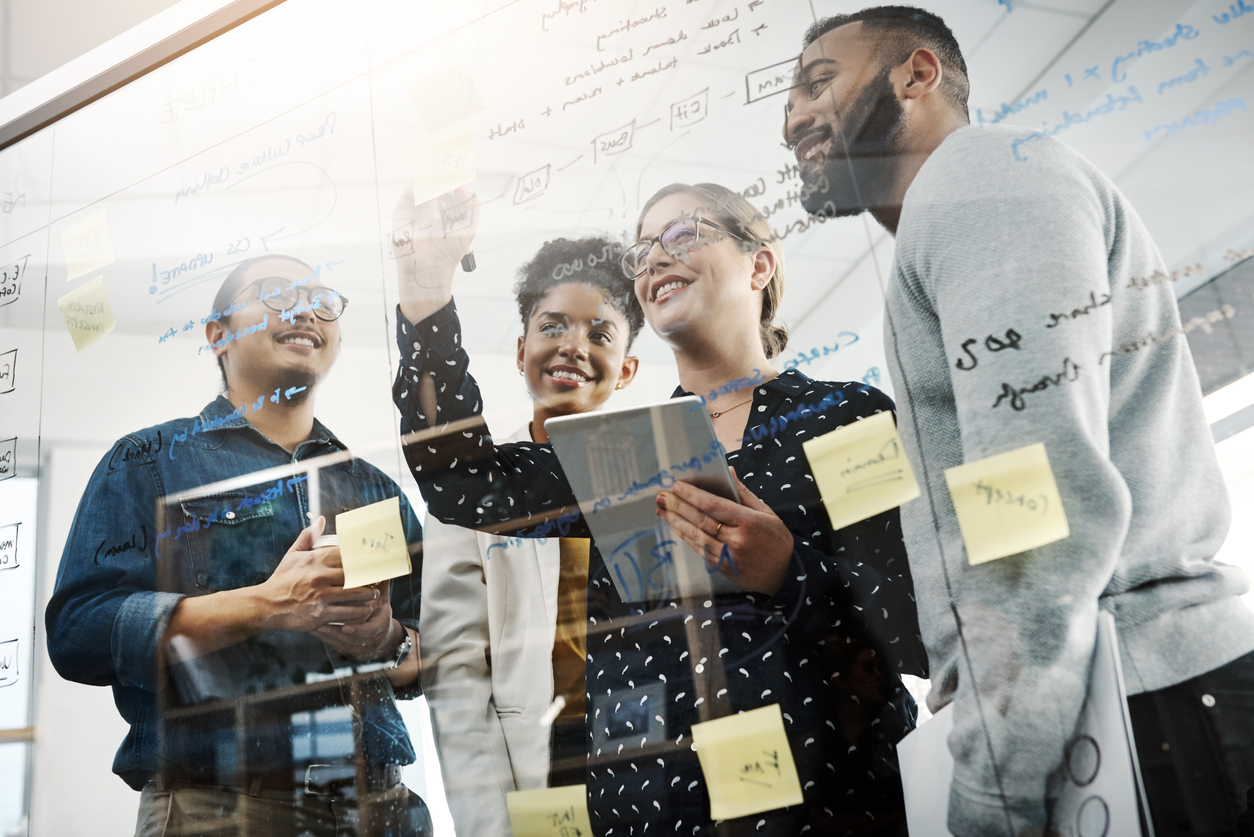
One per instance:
[(87, 314), (372, 543), (87, 245), (861, 469), (1007, 504), (747, 763), (445, 96), (442, 162), (551, 812)]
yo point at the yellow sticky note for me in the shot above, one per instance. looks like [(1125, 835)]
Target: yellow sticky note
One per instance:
[(550, 812), (87, 314), (372, 543), (442, 162), (87, 245), (446, 96), (1007, 504), (747, 763), (861, 469)]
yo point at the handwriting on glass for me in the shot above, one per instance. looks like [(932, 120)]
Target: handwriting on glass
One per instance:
[(823, 351), (992, 343), (1070, 372), (125, 546), (613, 142), (688, 112), (8, 371), (8, 546), (1227, 312), (532, 185), (197, 522), (1092, 305), (777, 424), (8, 458), (11, 280), (8, 662)]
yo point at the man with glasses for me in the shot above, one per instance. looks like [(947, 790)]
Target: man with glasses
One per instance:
[(203, 598)]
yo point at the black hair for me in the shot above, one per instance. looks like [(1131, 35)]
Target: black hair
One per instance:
[(900, 30), (230, 288), (594, 261)]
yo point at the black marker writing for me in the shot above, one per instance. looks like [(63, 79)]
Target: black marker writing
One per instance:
[(1093, 304), (1070, 372)]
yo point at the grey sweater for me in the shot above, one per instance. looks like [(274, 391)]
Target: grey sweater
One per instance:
[(1000, 236)]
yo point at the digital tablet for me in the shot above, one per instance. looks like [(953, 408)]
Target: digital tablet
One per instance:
[(616, 462)]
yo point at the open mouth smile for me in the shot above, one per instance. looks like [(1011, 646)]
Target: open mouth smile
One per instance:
[(664, 287), (304, 339), (811, 145), (568, 376)]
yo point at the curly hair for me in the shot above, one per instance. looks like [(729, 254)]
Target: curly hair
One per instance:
[(593, 261)]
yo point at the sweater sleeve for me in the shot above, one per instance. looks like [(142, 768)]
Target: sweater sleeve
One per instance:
[(992, 258)]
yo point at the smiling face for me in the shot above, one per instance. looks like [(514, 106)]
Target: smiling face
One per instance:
[(845, 122), (574, 352), (714, 287), (298, 351)]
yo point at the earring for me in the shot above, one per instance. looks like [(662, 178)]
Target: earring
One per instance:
[(520, 371)]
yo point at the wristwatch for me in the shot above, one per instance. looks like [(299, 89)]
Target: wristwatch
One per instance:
[(407, 645)]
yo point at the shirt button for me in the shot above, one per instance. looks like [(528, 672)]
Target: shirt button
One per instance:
[(1208, 701), (230, 515)]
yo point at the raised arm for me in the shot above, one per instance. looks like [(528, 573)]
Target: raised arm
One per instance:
[(466, 480)]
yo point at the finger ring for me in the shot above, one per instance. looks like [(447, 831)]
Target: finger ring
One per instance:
[(716, 528)]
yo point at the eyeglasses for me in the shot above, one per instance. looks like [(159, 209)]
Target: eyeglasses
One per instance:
[(281, 295), (679, 238)]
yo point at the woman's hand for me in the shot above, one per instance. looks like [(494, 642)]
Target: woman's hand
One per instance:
[(428, 241), (752, 546)]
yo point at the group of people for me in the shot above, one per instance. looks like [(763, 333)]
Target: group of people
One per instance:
[(226, 641)]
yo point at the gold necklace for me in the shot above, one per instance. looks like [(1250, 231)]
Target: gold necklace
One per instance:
[(718, 413)]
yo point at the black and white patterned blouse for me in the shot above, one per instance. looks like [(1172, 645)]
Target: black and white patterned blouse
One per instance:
[(827, 647)]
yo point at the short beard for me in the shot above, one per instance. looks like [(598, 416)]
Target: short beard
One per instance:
[(858, 171), (300, 379)]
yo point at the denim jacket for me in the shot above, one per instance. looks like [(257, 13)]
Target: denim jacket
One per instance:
[(134, 552)]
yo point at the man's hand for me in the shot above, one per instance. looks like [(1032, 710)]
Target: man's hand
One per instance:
[(753, 547), (429, 240), (306, 590), (372, 639)]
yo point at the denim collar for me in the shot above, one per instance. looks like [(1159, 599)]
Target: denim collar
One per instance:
[(220, 415)]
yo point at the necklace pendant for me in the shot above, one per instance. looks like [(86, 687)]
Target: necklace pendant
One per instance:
[(715, 414)]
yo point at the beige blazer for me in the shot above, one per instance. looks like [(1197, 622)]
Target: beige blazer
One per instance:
[(487, 624)]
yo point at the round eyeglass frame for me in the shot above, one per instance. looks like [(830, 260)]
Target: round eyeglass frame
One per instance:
[(626, 261), (290, 297)]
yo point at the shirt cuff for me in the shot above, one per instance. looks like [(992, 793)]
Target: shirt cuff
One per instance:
[(435, 337), (982, 814), (138, 630)]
